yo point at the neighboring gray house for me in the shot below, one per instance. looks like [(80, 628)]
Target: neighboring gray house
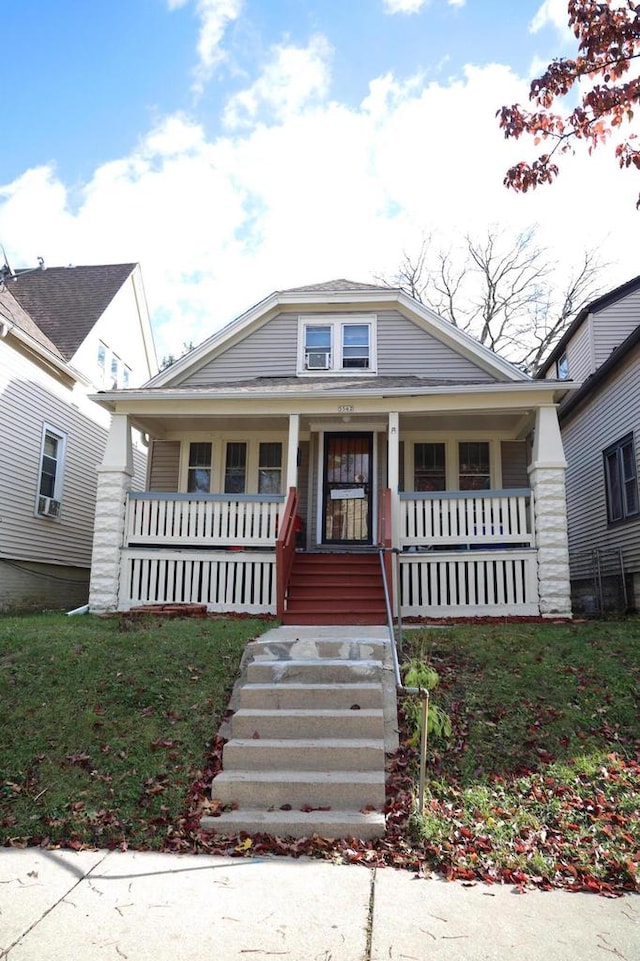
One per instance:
[(64, 332), (600, 426), (337, 417)]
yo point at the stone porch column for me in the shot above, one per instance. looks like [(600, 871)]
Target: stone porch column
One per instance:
[(547, 480), (114, 482)]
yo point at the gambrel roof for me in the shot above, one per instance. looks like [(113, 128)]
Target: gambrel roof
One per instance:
[(66, 302), (339, 295)]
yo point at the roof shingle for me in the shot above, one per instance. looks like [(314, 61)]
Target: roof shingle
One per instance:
[(66, 302)]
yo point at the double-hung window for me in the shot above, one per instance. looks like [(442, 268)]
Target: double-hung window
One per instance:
[(270, 468), (235, 471), (621, 480), (199, 469), (474, 466), (429, 467), (345, 343), (51, 472)]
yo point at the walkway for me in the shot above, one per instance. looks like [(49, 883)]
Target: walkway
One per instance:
[(63, 906)]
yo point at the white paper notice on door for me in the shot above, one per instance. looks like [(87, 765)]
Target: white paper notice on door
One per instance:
[(348, 494)]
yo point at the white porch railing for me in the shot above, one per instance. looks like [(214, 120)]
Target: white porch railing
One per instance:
[(465, 518), (224, 581), (492, 583), (202, 520)]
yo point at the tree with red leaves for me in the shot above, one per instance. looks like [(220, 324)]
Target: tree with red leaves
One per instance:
[(607, 82)]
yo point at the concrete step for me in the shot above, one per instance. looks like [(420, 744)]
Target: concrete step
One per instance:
[(296, 723), (314, 670), (339, 790), (304, 754), (312, 696), (299, 824), (300, 649)]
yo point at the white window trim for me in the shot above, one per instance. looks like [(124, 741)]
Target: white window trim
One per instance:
[(452, 462), (336, 322), (219, 457), (61, 436)]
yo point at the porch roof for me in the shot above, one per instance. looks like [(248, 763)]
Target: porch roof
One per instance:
[(359, 386)]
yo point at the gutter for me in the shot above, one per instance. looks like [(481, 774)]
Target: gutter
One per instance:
[(109, 399)]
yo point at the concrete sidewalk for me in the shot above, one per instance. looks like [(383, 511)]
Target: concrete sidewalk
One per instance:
[(63, 906)]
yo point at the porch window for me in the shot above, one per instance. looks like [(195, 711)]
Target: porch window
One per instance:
[(51, 472), (235, 472), (270, 468), (429, 467), (621, 480), (199, 471), (474, 466)]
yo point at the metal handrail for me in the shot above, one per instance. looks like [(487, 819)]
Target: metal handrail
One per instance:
[(400, 685)]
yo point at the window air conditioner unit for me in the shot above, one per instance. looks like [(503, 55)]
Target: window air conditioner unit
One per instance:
[(318, 360), (48, 506)]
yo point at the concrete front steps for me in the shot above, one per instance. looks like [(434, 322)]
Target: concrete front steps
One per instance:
[(316, 714), (335, 588)]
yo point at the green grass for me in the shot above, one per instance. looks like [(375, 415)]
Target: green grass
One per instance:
[(106, 723), (540, 778)]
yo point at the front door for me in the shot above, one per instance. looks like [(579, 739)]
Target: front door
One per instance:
[(347, 488)]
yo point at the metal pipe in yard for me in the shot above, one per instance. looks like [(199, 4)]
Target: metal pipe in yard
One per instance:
[(424, 737)]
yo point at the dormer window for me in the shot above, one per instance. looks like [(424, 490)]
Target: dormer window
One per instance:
[(337, 344)]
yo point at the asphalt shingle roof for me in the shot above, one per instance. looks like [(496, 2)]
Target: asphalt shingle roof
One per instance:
[(66, 302), (336, 285)]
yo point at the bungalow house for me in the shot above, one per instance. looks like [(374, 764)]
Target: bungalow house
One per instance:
[(600, 424), (325, 423), (65, 332)]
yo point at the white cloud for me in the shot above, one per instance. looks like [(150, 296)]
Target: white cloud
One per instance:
[(293, 78), (456, 3), (405, 6), (327, 191), (215, 16), (552, 13)]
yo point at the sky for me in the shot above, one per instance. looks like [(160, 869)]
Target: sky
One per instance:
[(237, 147)]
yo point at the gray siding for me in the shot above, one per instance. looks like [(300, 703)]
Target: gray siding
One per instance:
[(164, 466), (28, 399), (514, 464), (403, 348), (611, 413), (272, 350), (580, 353), (613, 324)]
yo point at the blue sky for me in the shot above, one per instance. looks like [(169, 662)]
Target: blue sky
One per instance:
[(234, 147)]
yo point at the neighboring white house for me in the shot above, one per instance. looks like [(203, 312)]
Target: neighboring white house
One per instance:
[(337, 417), (65, 332), (600, 424)]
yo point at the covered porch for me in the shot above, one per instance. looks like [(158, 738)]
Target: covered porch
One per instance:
[(469, 496)]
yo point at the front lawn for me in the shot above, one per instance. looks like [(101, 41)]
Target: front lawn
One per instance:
[(109, 739), (106, 723), (540, 780)]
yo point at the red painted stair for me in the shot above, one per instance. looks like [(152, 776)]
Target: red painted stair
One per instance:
[(335, 588)]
